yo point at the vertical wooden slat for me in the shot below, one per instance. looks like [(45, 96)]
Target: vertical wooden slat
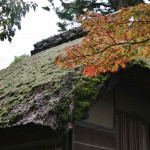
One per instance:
[(91, 139), (132, 132)]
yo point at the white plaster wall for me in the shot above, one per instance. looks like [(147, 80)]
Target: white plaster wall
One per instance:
[(101, 114)]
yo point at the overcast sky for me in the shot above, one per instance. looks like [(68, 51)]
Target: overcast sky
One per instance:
[(35, 27)]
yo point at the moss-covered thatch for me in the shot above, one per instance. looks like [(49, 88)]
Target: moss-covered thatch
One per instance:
[(28, 87), (36, 91)]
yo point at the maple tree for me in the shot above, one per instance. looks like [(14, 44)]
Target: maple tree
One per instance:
[(112, 41)]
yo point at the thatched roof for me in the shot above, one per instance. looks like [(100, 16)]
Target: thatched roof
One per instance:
[(36, 91), (29, 87), (56, 40)]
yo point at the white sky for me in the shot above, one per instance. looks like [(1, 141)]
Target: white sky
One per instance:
[(35, 27)]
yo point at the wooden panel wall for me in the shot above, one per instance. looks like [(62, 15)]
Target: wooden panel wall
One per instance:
[(85, 138)]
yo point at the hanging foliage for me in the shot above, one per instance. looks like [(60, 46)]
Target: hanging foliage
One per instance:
[(112, 41), (11, 12)]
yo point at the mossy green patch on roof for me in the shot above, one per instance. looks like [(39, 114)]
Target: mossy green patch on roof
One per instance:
[(32, 72), (144, 63), (20, 82)]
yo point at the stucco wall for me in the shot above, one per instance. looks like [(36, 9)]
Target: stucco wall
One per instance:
[(101, 114)]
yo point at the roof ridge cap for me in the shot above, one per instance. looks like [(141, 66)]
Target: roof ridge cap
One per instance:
[(58, 39)]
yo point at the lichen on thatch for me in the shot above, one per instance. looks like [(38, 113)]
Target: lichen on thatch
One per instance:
[(27, 87), (36, 91)]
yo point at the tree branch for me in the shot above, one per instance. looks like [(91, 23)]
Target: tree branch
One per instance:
[(117, 44)]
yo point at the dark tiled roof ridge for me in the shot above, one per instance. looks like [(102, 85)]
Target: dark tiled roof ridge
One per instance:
[(56, 40)]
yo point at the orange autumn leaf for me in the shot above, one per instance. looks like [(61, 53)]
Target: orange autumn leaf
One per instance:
[(112, 41)]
